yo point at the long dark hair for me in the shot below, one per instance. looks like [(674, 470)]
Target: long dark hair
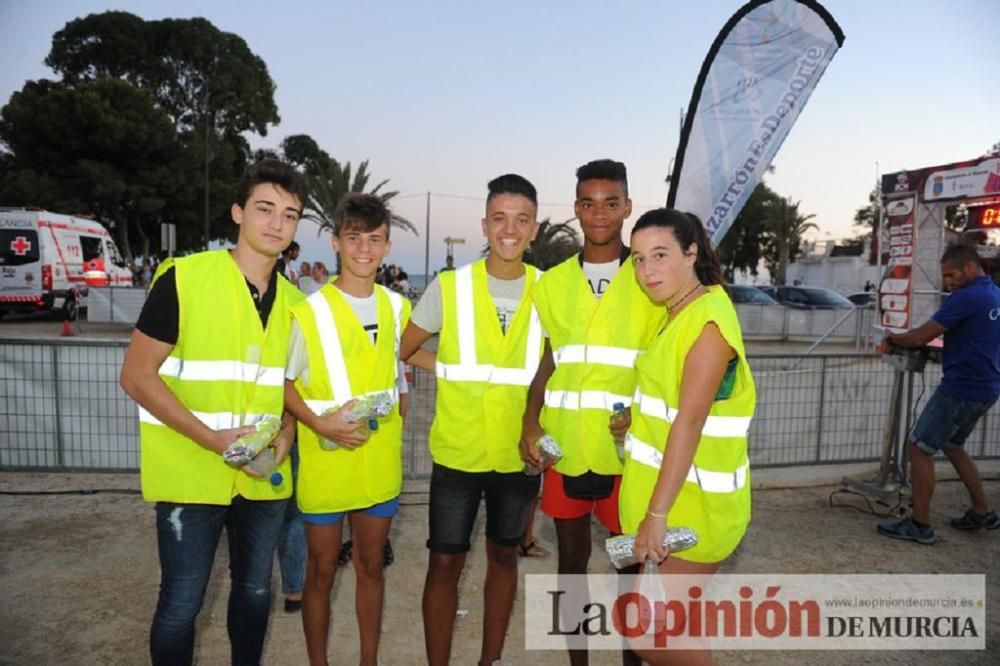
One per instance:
[(687, 229)]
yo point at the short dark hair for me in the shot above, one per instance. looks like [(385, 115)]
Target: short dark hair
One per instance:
[(688, 230), (511, 183), (365, 212), (272, 171), (292, 247), (959, 255), (602, 170)]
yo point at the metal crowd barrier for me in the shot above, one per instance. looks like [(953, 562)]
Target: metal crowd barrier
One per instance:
[(61, 408)]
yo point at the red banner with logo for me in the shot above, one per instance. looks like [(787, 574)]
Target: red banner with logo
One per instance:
[(895, 290)]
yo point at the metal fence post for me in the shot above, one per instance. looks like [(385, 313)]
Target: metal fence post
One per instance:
[(60, 444), (984, 423), (822, 401)]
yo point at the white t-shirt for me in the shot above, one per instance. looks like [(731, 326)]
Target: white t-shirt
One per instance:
[(365, 309), (599, 276), (506, 296)]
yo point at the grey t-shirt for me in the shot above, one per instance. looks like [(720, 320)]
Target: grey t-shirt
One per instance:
[(506, 295)]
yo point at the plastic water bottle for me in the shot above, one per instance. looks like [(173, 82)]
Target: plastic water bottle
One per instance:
[(248, 447), (618, 418), (368, 428), (265, 464), (367, 410)]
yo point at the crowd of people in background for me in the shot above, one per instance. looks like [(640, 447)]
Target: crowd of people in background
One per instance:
[(311, 276)]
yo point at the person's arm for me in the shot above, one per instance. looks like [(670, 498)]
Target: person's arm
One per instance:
[(333, 426), (704, 369), (412, 351), (531, 429), (916, 337), (140, 378), (283, 441)]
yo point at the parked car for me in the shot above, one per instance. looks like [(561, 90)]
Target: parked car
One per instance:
[(741, 293), (863, 299), (808, 298)]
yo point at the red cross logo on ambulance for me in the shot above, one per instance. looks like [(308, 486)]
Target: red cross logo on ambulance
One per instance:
[(21, 246)]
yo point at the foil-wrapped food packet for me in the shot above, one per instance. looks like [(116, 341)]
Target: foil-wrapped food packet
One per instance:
[(550, 451), (621, 548), (246, 448), (366, 409)]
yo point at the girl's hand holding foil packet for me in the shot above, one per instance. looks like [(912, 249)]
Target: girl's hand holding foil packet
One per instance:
[(551, 454), (246, 448), (621, 548)]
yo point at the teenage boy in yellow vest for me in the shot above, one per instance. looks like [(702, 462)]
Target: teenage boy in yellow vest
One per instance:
[(206, 360), (345, 344), (489, 348), (597, 319)]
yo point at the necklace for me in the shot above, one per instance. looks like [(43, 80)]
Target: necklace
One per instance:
[(684, 297)]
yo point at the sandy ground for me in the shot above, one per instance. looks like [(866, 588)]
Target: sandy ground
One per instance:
[(79, 576)]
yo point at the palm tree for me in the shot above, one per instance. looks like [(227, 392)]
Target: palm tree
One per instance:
[(786, 226), (553, 244), (328, 180), (328, 186)]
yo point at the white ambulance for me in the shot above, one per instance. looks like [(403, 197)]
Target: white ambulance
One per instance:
[(45, 258)]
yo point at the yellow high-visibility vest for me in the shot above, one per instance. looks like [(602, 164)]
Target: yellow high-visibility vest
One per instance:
[(714, 500), (594, 346), (482, 375), (343, 365), (229, 371)]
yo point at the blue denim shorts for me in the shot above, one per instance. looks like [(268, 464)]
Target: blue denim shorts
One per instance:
[(386, 509), (947, 420)]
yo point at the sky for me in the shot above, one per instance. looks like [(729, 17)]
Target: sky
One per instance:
[(441, 97)]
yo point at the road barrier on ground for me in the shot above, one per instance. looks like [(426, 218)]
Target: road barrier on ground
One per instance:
[(61, 408)]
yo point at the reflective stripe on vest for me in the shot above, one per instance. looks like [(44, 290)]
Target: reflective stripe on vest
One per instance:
[(215, 371), (715, 426), (595, 354), (576, 400), (320, 406), (214, 420), (707, 480), (467, 369), (333, 352)]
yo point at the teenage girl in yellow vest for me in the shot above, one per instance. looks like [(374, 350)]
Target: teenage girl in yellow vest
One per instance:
[(207, 354), (686, 462), (345, 341)]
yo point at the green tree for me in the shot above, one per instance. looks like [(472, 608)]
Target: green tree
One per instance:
[(209, 84), (98, 146), (785, 226), (742, 248), (329, 180)]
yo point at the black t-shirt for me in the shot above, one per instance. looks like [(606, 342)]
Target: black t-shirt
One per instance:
[(160, 314)]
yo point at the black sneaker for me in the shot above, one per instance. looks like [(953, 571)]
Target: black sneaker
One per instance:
[(388, 557), (973, 521), (907, 530), (346, 550)]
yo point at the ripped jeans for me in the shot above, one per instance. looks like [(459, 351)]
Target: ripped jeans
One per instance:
[(187, 536)]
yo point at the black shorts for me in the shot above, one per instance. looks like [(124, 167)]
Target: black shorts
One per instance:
[(454, 503)]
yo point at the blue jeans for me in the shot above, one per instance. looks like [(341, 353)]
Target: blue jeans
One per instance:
[(292, 543), (187, 536)]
